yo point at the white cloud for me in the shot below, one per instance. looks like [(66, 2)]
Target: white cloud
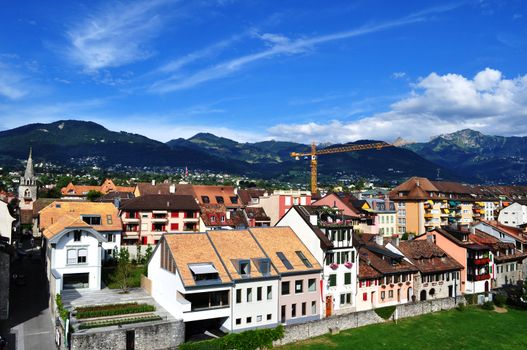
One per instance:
[(279, 45), (115, 35), (398, 75), (13, 85), (438, 104)]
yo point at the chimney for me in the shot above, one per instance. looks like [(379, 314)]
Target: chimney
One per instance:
[(417, 183), (379, 239), (172, 188), (430, 238), (313, 220), (395, 240), (117, 202), (153, 182)]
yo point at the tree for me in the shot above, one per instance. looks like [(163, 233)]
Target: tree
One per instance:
[(148, 255), (93, 195), (123, 273)]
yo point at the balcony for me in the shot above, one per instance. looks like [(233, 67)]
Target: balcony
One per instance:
[(159, 219), (206, 305), (130, 220), (478, 261), (475, 278)]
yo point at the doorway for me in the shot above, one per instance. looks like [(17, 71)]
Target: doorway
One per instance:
[(329, 305), (423, 295), (450, 291)]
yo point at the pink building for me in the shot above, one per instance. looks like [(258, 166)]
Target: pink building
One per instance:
[(279, 202)]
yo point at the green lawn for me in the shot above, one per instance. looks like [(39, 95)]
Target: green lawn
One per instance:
[(470, 329), (108, 277)]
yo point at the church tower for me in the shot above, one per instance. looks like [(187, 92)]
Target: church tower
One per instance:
[(27, 189)]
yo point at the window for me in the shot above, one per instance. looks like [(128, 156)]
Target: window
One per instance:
[(238, 296), (269, 317), (293, 310), (212, 218), (82, 256), (249, 320), (77, 236), (311, 285), (383, 295), (287, 200), (346, 298), (220, 200), (265, 266), (92, 219), (299, 286), (249, 295), (304, 309), (111, 237), (269, 292), (304, 259), (347, 278), (284, 260), (109, 220), (234, 199), (313, 307), (332, 280), (285, 288), (205, 199), (364, 296), (390, 294), (245, 268), (259, 318), (238, 321), (259, 293), (174, 226), (222, 218), (72, 256)]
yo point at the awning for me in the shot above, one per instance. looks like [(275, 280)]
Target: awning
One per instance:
[(446, 211), (202, 269), (431, 202)]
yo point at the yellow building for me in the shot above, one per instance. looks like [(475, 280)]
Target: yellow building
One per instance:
[(422, 205)]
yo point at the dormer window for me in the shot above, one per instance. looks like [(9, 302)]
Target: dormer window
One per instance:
[(204, 273), (245, 268), (264, 266), (92, 219), (213, 218), (234, 200), (223, 218), (220, 200), (205, 199)]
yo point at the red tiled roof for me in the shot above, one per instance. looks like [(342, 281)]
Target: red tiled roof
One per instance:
[(247, 194), (219, 211), (428, 257)]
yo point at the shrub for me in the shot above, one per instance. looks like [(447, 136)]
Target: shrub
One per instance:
[(248, 340), (64, 314), (471, 299), (500, 300), (385, 312), (109, 323), (461, 307), (488, 305), (111, 310)]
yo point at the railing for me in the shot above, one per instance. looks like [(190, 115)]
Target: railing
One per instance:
[(479, 261), (482, 277)]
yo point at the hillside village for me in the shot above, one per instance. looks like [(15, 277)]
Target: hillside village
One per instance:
[(201, 261)]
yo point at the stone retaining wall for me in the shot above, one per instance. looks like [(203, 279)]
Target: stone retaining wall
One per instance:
[(308, 330), (148, 336)]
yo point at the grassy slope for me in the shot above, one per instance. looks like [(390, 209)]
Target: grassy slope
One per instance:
[(108, 277), (470, 329)]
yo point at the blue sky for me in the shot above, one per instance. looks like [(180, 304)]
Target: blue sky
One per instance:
[(329, 71)]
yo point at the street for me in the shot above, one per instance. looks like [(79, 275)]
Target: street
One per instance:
[(29, 321)]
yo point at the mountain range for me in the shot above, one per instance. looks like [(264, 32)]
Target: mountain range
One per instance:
[(465, 155)]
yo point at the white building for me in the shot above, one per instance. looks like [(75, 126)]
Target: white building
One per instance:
[(73, 255), (514, 215), (6, 221), (329, 237)]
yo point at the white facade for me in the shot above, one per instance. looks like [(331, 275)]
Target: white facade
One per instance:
[(514, 215), (490, 211), (339, 279), (258, 306), (112, 244), (75, 258), (255, 305), (6, 221)]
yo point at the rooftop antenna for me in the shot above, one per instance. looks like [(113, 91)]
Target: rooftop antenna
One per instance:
[(438, 174)]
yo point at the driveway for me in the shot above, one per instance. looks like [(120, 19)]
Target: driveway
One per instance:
[(30, 323)]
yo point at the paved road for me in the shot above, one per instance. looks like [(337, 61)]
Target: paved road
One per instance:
[(30, 319)]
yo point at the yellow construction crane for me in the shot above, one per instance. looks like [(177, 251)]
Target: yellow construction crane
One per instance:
[(315, 153)]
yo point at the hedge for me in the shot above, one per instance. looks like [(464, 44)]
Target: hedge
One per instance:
[(104, 307), (248, 340), (109, 323), (64, 314), (385, 312), (113, 310)]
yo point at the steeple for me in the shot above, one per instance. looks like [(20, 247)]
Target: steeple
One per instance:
[(29, 174)]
